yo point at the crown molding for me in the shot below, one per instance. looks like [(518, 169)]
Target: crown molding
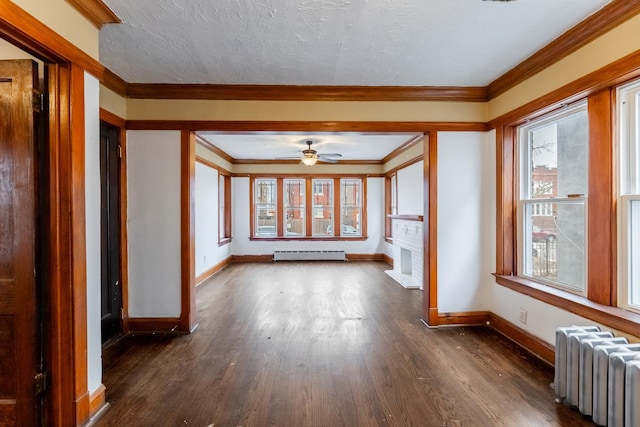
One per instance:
[(304, 93), (610, 16), (95, 11), (112, 81)]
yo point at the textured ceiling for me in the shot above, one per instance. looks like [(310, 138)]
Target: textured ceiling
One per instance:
[(274, 145), (331, 42)]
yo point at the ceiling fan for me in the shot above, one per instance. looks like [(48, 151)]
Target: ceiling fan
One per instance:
[(311, 156)]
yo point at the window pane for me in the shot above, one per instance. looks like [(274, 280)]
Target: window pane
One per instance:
[(265, 207), (557, 157), (394, 195), (294, 205), (221, 207), (322, 207), (350, 209), (554, 245), (634, 253)]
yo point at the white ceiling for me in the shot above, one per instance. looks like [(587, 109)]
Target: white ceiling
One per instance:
[(277, 145), (328, 42), (331, 42)]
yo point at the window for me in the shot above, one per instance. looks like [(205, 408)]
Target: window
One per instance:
[(294, 207), (629, 201), (224, 208), (350, 206), (552, 212), (391, 202), (265, 207), (322, 207), (307, 208)]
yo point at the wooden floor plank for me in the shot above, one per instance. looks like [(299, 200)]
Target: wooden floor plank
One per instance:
[(324, 344)]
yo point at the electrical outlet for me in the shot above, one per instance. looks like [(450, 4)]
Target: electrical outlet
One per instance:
[(204, 259), (523, 316)]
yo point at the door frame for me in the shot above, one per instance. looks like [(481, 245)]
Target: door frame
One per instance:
[(120, 123), (68, 399)]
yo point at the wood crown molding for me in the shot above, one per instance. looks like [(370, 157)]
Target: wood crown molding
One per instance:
[(26, 32), (113, 82), (95, 11), (305, 93), (304, 126), (610, 16)]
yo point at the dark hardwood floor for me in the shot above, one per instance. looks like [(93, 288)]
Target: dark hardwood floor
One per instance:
[(324, 344)]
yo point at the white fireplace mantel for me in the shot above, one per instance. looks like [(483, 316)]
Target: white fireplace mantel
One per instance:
[(408, 253)]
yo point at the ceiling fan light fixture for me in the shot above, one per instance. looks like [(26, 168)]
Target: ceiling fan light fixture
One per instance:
[(309, 160)]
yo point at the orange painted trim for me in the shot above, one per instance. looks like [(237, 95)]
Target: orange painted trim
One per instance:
[(97, 400), (213, 270), (540, 348), (187, 231)]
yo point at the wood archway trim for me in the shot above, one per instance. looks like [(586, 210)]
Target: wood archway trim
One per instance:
[(66, 307)]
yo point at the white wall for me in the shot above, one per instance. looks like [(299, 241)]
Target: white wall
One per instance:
[(153, 223), (411, 189), (208, 253), (466, 220), (92, 221), (243, 246)]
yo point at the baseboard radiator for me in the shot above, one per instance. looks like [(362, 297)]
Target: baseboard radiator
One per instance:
[(599, 374), (309, 256)]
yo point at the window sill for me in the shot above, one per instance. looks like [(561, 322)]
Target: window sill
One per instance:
[(309, 239), (224, 241), (388, 239), (613, 317)]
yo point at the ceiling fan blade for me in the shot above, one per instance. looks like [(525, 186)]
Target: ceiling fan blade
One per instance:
[(329, 155), (326, 160)]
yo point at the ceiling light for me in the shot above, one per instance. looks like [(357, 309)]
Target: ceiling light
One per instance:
[(309, 160)]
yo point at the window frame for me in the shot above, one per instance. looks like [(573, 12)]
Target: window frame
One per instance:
[(309, 207), (524, 184), (628, 132), (600, 303), (390, 203), (224, 208)]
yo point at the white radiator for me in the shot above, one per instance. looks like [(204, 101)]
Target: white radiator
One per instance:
[(601, 356), (632, 397), (560, 379), (598, 373), (309, 256)]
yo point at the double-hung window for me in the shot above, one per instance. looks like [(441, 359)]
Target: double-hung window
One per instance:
[(350, 206), (629, 200), (294, 207), (552, 208), (322, 207), (265, 204)]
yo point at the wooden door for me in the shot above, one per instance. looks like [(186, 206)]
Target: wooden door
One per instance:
[(110, 230), (19, 331)]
